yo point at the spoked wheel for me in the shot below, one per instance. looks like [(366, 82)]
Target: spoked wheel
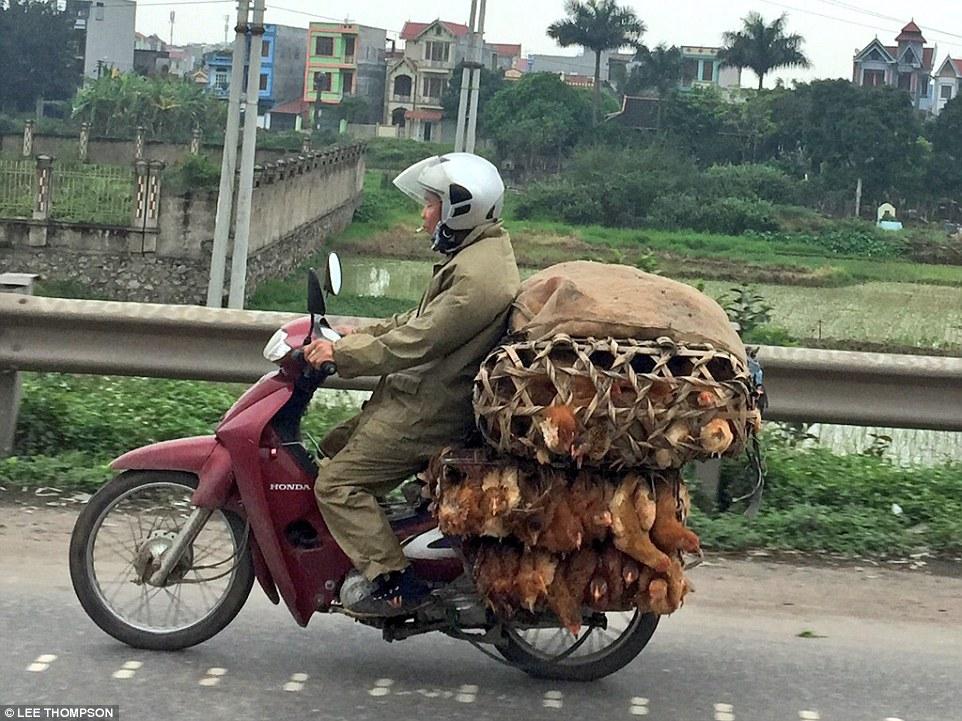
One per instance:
[(119, 541), (596, 652)]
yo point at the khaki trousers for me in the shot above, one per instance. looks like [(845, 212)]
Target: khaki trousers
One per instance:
[(366, 459)]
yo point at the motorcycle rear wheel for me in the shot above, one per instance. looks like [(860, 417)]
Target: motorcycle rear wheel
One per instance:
[(552, 658), (112, 550)]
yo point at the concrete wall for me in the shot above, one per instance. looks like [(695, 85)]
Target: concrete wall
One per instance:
[(111, 151), (296, 206)]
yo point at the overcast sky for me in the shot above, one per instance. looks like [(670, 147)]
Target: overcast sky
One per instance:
[(833, 29)]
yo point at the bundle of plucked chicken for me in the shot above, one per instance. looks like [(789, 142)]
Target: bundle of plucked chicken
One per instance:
[(609, 382), (565, 539)]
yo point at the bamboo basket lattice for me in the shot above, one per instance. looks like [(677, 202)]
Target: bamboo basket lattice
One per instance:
[(656, 404)]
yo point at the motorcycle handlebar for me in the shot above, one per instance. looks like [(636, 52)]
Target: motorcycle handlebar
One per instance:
[(328, 368)]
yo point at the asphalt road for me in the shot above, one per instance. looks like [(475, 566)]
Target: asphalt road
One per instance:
[(887, 645)]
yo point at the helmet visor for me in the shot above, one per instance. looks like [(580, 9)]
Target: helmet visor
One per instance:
[(409, 181)]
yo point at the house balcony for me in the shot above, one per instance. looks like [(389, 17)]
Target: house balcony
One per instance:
[(425, 101), (401, 99), (349, 60)]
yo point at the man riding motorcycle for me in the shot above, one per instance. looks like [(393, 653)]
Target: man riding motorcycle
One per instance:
[(427, 359)]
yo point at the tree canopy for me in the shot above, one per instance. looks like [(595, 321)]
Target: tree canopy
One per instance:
[(597, 25), (763, 47), (37, 49), (659, 70), (538, 116)]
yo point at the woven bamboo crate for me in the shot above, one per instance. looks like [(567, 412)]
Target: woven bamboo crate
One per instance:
[(618, 403)]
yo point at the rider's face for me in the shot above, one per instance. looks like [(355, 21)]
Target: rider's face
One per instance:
[(431, 215)]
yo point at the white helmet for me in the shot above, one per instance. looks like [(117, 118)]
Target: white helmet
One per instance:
[(470, 188)]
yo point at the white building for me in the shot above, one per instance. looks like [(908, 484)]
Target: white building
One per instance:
[(106, 34), (948, 83)]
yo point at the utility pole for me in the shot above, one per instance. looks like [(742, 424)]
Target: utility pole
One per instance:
[(245, 189), (465, 85), (228, 166), (471, 82), (172, 16)]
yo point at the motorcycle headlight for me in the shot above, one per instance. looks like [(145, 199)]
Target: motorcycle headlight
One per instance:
[(277, 348)]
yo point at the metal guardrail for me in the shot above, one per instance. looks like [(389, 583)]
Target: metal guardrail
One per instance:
[(189, 342)]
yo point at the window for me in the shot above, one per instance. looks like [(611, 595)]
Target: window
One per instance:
[(220, 79), (347, 82), (324, 46), (946, 92), (873, 78), (926, 86), (437, 51), (349, 46), (708, 71), (266, 49), (433, 87), (905, 81), (689, 71), (263, 84), (402, 86), (322, 82)]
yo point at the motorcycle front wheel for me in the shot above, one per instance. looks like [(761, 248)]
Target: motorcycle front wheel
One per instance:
[(117, 543), (555, 653)]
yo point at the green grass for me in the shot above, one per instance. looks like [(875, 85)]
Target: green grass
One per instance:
[(898, 314)]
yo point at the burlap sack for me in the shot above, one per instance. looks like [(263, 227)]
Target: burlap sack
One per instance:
[(597, 300)]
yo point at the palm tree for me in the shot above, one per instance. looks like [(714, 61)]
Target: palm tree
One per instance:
[(597, 25), (659, 70), (763, 47)]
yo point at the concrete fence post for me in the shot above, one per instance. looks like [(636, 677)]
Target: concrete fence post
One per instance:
[(140, 193), (27, 139), (139, 143), (258, 175), (306, 144), (84, 149), (154, 176), (43, 187), (195, 142), (9, 379)]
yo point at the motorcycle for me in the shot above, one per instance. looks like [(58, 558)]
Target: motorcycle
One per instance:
[(165, 555)]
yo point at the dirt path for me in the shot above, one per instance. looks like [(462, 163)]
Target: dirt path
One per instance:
[(34, 539)]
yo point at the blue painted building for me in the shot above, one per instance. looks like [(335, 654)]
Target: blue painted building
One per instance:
[(283, 54)]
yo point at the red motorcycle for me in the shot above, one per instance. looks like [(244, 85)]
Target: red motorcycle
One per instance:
[(165, 555)]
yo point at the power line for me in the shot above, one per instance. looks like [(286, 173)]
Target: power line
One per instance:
[(873, 13)]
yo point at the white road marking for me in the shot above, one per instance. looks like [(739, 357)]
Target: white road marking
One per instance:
[(382, 687), (467, 693), (639, 706), (892, 718), (553, 699), (296, 682), (42, 662), (133, 665), (724, 712), (213, 676), (123, 673), (809, 715)]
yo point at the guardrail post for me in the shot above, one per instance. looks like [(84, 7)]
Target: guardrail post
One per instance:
[(708, 476), (27, 150), (139, 143), (84, 142), (10, 380), (195, 142), (154, 172)]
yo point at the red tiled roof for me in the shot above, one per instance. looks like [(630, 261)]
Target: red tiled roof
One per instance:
[(429, 115), (928, 55), (298, 106), (910, 32), (507, 50), (412, 30), (957, 64)]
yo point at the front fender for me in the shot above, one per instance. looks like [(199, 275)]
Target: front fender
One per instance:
[(203, 456)]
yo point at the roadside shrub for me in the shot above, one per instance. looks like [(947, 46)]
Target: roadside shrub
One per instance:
[(751, 182), (729, 216), (192, 173), (846, 238)]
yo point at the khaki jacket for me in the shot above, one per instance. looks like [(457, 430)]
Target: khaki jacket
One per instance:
[(428, 357)]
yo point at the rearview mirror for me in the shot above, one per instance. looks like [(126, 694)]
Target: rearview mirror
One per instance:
[(332, 281), (315, 295)]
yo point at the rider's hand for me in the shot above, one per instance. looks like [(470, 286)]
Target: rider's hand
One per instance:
[(319, 352), (345, 329)]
